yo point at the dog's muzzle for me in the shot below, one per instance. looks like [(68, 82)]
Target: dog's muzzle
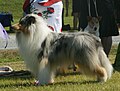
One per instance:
[(16, 27)]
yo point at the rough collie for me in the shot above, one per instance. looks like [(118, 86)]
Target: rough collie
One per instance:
[(44, 50)]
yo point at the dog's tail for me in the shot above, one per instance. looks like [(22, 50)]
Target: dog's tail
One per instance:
[(105, 62)]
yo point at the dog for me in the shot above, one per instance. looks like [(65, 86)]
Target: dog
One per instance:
[(44, 50), (93, 25)]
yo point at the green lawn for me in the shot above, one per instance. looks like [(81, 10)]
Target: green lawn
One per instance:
[(71, 81), (12, 6)]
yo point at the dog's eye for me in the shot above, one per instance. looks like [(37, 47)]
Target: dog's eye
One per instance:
[(22, 22)]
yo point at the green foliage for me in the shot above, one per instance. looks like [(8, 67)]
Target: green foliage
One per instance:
[(70, 81), (12, 6), (9, 56)]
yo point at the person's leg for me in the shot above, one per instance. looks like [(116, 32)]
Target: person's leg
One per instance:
[(67, 7), (75, 20), (107, 44)]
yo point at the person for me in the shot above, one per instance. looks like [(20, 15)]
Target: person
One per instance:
[(50, 10), (108, 26), (75, 13), (117, 11), (65, 10)]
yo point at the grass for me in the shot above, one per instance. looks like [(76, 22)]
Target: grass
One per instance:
[(71, 81), (12, 6)]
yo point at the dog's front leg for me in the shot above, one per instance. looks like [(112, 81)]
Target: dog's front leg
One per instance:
[(46, 74), (34, 68)]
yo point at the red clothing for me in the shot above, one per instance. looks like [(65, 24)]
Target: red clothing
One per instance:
[(50, 2), (26, 3)]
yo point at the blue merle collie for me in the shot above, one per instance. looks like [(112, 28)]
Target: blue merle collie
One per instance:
[(44, 50)]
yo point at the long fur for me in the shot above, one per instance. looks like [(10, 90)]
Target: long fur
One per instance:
[(44, 50)]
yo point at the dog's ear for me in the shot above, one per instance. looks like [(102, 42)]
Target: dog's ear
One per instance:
[(89, 18), (30, 20), (99, 18)]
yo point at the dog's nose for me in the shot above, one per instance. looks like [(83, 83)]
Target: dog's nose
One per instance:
[(95, 28), (16, 26)]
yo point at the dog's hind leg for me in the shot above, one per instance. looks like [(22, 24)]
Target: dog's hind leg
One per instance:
[(101, 74), (90, 65), (46, 75), (103, 69), (98, 71), (105, 62)]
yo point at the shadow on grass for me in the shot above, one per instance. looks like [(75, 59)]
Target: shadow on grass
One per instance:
[(29, 84), (23, 75), (76, 83), (69, 74), (16, 85)]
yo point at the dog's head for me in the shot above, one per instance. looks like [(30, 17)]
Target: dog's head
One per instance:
[(27, 22), (24, 24), (93, 23)]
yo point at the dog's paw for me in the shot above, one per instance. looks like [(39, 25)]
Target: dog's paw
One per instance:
[(37, 83), (51, 81)]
